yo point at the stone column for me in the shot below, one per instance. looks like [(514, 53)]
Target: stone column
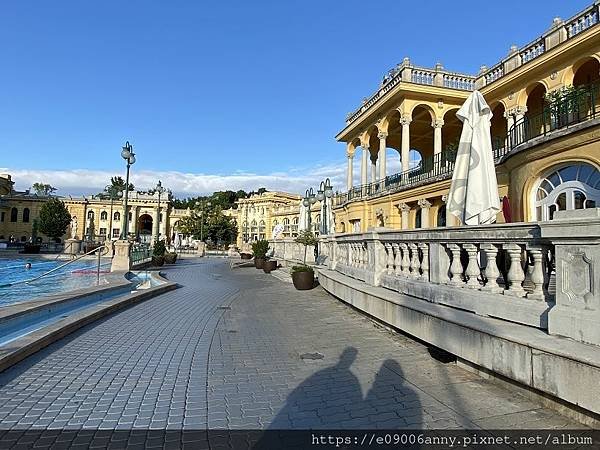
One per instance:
[(510, 120), (382, 157), (121, 260), (404, 210), (374, 176), (405, 121), (437, 135), (363, 164), (349, 172), (425, 208)]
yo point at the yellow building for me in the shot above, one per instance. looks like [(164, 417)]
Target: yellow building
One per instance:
[(259, 214), (91, 216), (545, 99)]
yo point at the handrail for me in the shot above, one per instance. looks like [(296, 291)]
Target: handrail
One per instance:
[(31, 280)]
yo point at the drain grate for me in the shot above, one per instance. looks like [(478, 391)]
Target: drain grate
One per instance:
[(315, 355)]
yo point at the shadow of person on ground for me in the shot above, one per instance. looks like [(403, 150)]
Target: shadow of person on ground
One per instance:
[(332, 399)]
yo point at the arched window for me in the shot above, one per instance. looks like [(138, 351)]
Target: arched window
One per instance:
[(13, 214), (117, 216), (573, 186), (103, 215), (274, 224), (90, 215), (26, 215)]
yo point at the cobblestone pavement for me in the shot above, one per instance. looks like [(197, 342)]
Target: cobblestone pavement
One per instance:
[(241, 349)]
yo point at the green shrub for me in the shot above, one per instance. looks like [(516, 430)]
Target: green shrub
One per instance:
[(301, 269), (159, 248), (260, 248), (306, 238)]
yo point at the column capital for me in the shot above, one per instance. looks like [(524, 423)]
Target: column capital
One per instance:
[(382, 135), (403, 207), (405, 119), (444, 198), (438, 123), (424, 203), (350, 154)]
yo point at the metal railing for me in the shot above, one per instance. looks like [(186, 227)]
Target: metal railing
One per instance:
[(572, 108), (140, 254)]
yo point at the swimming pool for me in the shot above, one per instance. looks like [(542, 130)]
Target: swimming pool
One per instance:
[(77, 275)]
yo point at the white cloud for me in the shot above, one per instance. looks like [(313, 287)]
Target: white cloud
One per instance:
[(84, 181)]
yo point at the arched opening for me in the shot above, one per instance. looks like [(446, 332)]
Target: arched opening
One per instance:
[(418, 218), (286, 226), (569, 186), (145, 223), (103, 215), (253, 231), (26, 215), (117, 216), (441, 216), (587, 73), (498, 128), (90, 215), (261, 229), (421, 131), (14, 212), (451, 130), (274, 224), (536, 120), (342, 227), (393, 143), (295, 227)]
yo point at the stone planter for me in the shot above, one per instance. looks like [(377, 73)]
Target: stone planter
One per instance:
[(259, 262), (170, 258), (269, 265), (246, 255), (303, 280), (158, 260)]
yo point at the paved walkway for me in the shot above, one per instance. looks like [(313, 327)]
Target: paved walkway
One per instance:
[(240, 349)]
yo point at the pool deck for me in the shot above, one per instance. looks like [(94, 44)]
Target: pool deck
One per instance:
[(240, 349)]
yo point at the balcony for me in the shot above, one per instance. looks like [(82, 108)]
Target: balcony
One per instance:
[(558, 117)]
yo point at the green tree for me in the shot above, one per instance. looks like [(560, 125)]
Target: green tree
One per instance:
[(213, 226), (42, 189), (118, 184), (54, 218)]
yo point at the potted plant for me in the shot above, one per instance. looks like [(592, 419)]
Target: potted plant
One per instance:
[(260, 248), (158, 253), (303, 276), (170, 257), (269, 265)]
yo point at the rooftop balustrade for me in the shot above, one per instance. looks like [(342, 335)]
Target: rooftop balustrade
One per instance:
[(406, 72)]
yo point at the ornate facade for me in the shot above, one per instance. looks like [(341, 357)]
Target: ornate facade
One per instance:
[(545, 99)]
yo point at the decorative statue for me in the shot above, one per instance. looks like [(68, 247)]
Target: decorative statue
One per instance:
[(74, 227)]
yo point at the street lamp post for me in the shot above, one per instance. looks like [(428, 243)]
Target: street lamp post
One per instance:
[(128, 155), (161, 190), (309, 200), (325, 191)]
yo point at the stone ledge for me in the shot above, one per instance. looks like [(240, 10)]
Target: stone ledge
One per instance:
[(25, 346), (557, 366)]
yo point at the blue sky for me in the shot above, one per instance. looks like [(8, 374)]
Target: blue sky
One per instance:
[(226, 94)]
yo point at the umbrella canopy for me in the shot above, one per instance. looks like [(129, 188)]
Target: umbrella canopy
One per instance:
[(473, 196)]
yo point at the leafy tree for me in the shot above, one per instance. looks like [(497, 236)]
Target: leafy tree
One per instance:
[(213, 226), (118, 183), (42, 189), (306, 238), (54, 218)]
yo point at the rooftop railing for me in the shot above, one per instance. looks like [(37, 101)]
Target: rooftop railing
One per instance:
[(406, 72)]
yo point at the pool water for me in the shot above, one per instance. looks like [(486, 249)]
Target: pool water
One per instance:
[(77, 275)]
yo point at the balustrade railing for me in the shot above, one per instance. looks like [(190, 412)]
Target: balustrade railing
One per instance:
[(536, 274), (582, 22)]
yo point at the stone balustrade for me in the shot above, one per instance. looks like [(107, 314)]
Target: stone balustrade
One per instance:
[(287, 250), (521, 273)]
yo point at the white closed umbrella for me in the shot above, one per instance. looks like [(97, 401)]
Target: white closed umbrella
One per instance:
[(473, 196)]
